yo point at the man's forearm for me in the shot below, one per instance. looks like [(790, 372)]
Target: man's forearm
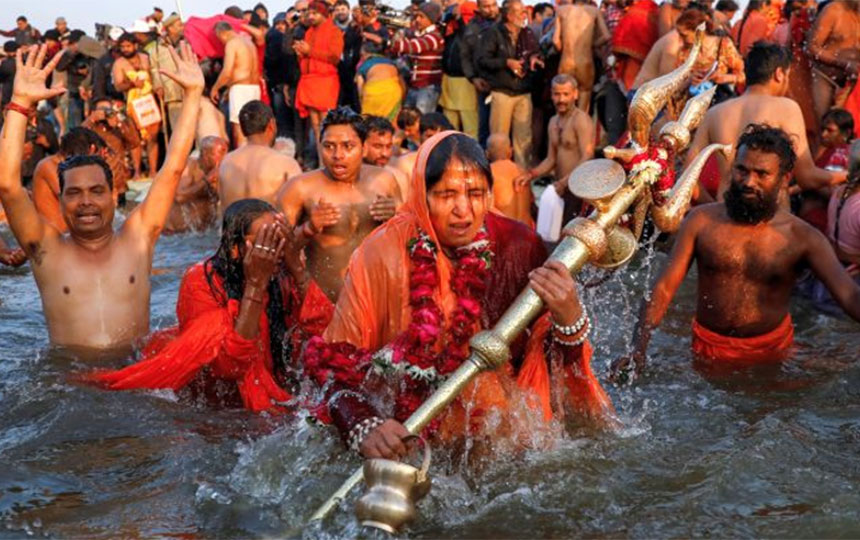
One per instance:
[(12, 149), (543, 168), (183, 137)]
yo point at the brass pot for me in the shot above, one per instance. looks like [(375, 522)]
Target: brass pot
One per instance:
[(393, 490)]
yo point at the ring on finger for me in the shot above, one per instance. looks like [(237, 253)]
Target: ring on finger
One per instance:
[(260, 246)]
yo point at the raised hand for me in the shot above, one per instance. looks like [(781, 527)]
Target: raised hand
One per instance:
[(188, 74), (323, 214), (383, 208), (29, 87), (263, 255)]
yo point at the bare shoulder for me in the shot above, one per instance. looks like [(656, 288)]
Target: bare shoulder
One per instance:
[(581, 118), (702, 216), (378, 175)]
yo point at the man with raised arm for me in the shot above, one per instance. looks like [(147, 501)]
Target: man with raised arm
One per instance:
[(94, 281)]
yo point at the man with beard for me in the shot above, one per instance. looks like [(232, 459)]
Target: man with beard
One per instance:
[(94, 281), (379, 147), (749, 254), (333, 208), (255, 170), (131, 75)]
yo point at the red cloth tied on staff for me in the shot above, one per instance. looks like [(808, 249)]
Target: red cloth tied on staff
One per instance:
[(768, 348), (200, 34), (206, 338), (319, 84)]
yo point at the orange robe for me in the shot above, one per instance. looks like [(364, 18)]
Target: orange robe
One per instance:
[(373, 309), (319, 84), (633, 38), (716, 349), (205, 338)]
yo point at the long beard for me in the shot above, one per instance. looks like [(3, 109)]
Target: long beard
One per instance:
[(743, 210)]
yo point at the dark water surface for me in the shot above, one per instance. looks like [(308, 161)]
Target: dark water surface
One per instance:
[(771, 454)]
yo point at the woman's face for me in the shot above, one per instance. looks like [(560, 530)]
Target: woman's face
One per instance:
[(458, 204), (265, 219)]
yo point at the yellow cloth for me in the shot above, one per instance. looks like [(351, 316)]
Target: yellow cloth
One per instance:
[(458, 94), (382, 98)]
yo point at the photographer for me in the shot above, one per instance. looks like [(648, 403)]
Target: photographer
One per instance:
[(425, 52), (120, 137)]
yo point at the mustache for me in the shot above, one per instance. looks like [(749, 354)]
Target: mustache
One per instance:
[(743, 209)]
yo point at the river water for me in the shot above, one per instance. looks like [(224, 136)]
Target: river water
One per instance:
[(768, 454)]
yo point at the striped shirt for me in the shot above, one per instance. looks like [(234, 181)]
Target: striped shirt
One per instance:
[(425, 51)]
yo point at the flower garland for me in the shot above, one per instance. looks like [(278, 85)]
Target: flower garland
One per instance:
[(417, 352), (655, 167)]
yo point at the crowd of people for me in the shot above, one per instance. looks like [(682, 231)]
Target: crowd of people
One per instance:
[(373, 172)]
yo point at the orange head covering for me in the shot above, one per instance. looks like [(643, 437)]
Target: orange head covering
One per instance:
[(373, 306)]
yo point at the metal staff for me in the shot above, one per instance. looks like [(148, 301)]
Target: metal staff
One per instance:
[(603, 184)]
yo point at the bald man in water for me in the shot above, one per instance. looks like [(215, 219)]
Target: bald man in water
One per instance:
[(195, 206), (332, 209), (255, 170), (94, 282)]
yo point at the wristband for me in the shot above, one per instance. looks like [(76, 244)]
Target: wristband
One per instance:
[(12, 106)]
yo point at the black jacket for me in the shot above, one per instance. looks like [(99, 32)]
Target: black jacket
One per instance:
[(495, 49), (275, 59), (469, 46)]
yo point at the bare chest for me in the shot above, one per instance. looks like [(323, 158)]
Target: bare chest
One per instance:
[(736, 253)]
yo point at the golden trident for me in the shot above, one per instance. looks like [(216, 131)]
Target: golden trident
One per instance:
[(596, 239)]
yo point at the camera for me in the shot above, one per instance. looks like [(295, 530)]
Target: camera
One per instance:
[(390, 16)]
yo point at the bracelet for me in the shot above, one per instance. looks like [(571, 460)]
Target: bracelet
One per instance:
[(12, 106), (573, 329), (361, 430), (575, 343)]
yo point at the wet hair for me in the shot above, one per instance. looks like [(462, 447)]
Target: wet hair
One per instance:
[(74, 162), (378, 124), (456, 147), (344, 116), (771, 140), (79, 141), (234, 11), (843, 120), (763, 60), (254, 117), (434, 120), (76, 35), (238, 218), (125, 37), (407, 116), (726, 6)]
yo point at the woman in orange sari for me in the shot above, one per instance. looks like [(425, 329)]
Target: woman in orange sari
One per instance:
[(236, 310), (420, 286)]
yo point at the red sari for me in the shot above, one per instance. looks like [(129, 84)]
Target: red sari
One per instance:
[(374, 310), (205, 338)]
